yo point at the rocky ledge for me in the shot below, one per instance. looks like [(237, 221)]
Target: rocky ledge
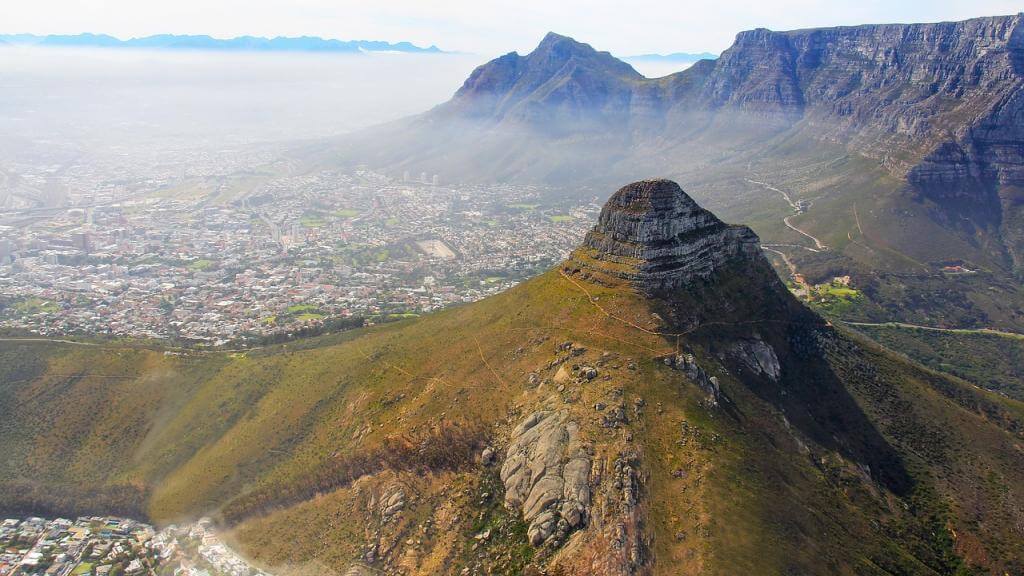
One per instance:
[(655, 236), (547, 476)]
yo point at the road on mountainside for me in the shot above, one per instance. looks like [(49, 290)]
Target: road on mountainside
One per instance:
[(819, 246), (789, 264), (989, 331), (817, 243)]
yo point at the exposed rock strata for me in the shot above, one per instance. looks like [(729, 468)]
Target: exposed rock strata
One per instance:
[(654, 235), (391, 503), (547, 476)]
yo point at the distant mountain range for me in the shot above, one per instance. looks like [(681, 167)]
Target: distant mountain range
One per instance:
[(674, 58), (202, 42), (898, 148)]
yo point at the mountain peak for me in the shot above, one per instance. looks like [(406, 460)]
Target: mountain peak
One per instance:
[(569, 78), (556, 48), (554, 38), (655, 236), (656, 197)]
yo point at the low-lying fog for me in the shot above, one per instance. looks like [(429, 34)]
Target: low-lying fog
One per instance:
[(74, 120), (96, 97)]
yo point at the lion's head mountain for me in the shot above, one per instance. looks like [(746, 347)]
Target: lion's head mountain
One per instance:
[(659, 403)]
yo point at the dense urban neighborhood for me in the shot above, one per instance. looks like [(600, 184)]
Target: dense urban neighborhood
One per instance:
[(240, 262), (108, 546)]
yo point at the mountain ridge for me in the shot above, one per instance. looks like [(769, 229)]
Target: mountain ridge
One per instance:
[(204, 42), (796, 72), (911, 131), (799, 82), (680, 57)]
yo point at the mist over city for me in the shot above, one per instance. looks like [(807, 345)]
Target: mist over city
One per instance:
[(333, 288), (100, 100)]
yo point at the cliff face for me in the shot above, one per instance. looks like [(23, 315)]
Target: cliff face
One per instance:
[(655, 236), (939, 104)]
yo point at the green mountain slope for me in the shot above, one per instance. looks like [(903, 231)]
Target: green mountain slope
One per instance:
[(811, 451)]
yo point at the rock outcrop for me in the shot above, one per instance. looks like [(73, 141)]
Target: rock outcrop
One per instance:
[(687, 363), (392, 502), (547, 476), (655, 236), (360, 570), (758, 357)]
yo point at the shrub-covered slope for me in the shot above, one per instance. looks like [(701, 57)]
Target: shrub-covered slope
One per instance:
[(725, 430)]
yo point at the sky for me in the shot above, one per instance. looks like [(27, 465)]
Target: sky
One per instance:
[(480, 26)]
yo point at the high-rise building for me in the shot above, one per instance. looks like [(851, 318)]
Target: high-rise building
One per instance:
[(436, 179), (6, 248), (82, 241)]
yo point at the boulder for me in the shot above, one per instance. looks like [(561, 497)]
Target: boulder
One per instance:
[(758, 357), (546, 474), (392, 503)]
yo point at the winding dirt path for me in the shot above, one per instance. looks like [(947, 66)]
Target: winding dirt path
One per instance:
[(988, 331), (676, 335), (480, 351), (819, 246)]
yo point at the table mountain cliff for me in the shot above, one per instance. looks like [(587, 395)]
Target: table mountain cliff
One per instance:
[(657, 404), (898, 148)]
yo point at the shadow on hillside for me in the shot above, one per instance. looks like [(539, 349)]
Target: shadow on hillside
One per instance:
[(819, 406)]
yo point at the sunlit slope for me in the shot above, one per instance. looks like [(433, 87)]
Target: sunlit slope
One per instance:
[(296, 445)]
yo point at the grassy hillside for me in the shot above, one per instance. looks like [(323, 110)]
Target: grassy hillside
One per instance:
[(893, 244), (856, 462), (990, 361)]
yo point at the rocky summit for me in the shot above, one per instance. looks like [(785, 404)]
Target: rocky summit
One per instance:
[(658, 405), (655, 236)]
